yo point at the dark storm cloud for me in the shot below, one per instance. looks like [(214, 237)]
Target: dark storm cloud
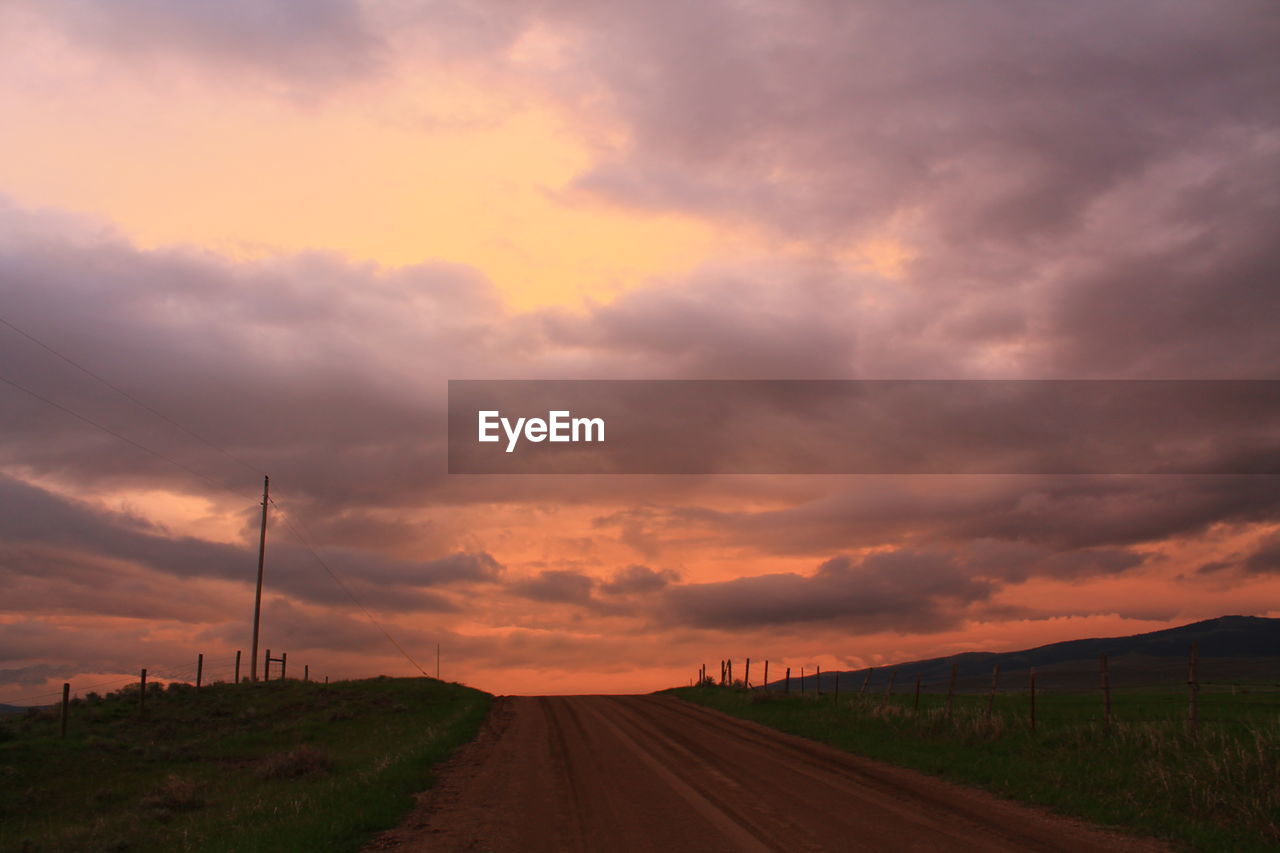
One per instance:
[(719, 325), (823, 115), (35, 674), (1081, 513), (907, 590), (325, 42), (555, 586), (569, 586), (40, 577), (1265, 560), (639, 580), (35, 520), (1088, 190), (330, 375), (327, 374), (1192, 308), (1088, 185), (281, 363), (68, 651), (1066, 513)]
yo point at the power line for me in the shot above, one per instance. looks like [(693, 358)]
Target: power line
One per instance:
[(339, 581), (131, 398), (112, 432), (191, 471)]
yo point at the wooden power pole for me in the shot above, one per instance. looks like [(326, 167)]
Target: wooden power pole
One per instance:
[(257, 597)]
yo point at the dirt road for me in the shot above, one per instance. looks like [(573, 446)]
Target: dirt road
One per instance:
[(653, 773)]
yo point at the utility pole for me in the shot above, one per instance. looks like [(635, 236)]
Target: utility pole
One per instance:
[(257, 597)]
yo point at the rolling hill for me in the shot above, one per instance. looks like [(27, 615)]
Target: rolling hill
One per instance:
[(1233, 650)]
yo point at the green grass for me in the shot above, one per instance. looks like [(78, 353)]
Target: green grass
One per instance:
[(280, 766), (1217, 790)]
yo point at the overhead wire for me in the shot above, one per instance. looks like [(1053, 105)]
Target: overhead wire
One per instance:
[(131, 398), (112, 432), (285, 517), (93, 423)]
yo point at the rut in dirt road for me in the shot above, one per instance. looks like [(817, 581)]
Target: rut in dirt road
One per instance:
[(653, 773)]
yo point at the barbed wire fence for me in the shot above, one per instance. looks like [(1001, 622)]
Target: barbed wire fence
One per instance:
[(1193, 690), (293, 523)]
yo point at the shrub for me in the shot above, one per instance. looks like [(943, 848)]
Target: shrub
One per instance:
[(302, 761), (175, 795)]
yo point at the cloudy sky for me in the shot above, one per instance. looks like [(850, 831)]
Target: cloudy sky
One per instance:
[(283, 226)]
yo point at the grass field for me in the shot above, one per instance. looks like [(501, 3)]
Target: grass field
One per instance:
[(1218, 790), (280, 766)]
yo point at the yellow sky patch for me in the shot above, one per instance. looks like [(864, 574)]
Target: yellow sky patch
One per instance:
[(397, 174)]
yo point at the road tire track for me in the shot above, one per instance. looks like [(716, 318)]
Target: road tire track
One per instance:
[(658, 775)]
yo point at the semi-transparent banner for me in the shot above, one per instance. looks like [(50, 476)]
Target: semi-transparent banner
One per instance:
[(864, 426)]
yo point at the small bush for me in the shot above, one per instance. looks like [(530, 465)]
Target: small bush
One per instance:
[(175, 795), (302, 761)]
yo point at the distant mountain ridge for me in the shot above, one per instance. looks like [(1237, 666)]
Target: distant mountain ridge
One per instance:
[(1243, 648)]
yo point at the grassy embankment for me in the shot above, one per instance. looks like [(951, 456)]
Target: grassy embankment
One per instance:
[(280, 766), (1219, 790)]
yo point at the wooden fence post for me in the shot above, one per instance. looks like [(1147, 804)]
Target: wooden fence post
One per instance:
[(951, 687), (991, 698), (801, 681), (916, 707), (306, 672), (817, 680), (266, 667), (888, 691), (1106, 688), (787, 689), (1033, 698), (1193, 711), (66, 702), (836, 700), (237, 666), (284, 662), (142, 693), (722, 673), (199, 670), (766, 675), (746, 677), (867, 680)]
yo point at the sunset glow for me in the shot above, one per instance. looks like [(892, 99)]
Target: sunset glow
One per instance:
[(281, 235)]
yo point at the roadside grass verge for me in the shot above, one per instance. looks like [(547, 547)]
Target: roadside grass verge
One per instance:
[(249, 768), (1216, 790)]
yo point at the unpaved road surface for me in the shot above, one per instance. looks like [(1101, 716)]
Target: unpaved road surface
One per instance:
[(653, 773)]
